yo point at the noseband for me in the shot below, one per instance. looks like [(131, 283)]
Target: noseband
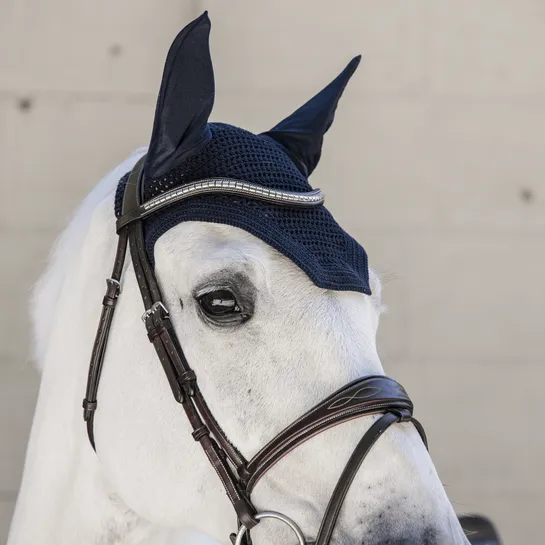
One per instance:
[(371, 395)]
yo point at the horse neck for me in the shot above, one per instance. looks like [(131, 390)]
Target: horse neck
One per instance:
[(62, 497)]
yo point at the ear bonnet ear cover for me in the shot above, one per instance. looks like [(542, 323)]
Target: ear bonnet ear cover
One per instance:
[(186, 147)]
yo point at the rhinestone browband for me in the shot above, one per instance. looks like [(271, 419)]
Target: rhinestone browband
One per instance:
[(224, 185)]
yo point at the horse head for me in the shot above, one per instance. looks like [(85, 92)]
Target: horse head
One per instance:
[(259, 308)]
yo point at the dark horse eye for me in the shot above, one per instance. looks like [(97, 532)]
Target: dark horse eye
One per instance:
[(221, 306)]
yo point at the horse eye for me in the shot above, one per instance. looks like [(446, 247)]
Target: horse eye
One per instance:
[(220, 304)]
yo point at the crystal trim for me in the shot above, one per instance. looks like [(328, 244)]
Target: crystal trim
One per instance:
[(236, 187)]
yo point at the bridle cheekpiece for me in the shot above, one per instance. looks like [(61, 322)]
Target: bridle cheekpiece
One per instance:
[(371, 395)]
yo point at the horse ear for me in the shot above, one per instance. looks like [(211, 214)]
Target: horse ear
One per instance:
[(185, 100), (302, 133)]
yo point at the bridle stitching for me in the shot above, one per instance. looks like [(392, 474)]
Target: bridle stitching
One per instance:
[(323, 403), (322, 423)]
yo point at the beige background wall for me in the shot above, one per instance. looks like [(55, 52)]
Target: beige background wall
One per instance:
[(435, 163)]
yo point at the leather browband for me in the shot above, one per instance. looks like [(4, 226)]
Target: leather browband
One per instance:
[(366, 396)]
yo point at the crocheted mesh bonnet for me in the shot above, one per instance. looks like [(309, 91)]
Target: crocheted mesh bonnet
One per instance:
[(185, 147), (310, 237)]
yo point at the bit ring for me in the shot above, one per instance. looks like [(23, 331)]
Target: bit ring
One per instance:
[(273, 515)]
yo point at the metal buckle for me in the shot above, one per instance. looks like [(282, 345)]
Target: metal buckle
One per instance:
[(152, 309), (273, 515), (115, 283)]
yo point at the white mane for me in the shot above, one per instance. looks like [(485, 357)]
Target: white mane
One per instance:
[(49, 286)]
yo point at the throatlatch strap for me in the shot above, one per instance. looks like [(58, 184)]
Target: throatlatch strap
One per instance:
[(109, 302)]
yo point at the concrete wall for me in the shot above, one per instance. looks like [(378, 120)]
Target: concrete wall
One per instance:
[(435, 163)]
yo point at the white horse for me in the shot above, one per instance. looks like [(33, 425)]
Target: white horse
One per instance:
[(148, 482)]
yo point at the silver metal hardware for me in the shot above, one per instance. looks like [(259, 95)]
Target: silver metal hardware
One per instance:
[(152, 309), (115, 283), (273, 515)]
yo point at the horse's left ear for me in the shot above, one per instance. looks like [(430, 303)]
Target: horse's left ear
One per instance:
[(302, 133), (185, 100)]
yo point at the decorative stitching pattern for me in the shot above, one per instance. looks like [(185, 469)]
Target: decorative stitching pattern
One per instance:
[(342, 401)]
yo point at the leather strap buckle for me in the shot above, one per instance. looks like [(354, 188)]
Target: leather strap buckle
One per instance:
[(154, 308), (113, 289), (113, 283)]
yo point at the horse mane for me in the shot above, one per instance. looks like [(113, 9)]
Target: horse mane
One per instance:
[(48, 288)]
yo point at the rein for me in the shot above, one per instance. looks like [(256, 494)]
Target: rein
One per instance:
[(366, 396)]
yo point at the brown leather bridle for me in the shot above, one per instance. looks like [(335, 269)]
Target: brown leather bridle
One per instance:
[(369, 395)]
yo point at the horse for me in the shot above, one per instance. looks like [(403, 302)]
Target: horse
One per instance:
[(267, 332)]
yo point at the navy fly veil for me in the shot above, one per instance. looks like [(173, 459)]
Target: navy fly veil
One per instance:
[(185, 148)]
